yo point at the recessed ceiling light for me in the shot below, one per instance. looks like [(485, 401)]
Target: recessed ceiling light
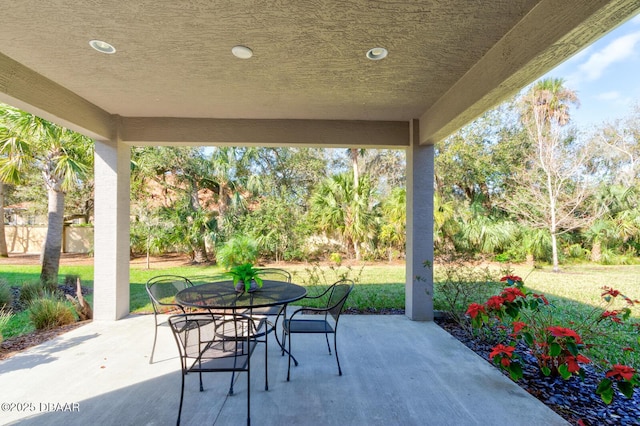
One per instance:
[(102, 46), (377, 53), (242, 52)]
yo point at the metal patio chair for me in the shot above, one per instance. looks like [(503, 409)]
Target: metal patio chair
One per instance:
[(333, 300), (209, 344), (162, 290)]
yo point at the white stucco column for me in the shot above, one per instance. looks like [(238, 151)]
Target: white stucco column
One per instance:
[(420, 181), (111, 238)]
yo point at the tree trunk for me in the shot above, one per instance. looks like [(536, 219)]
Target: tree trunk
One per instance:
[(50, 258), (596, 252), (3, 242), (199, 247), (554, 250)]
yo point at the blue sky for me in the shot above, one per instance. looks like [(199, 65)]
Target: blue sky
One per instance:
[(605, 75)]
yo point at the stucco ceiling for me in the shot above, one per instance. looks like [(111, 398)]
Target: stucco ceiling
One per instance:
[(448, 59)]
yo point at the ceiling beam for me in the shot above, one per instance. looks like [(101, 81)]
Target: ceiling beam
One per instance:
[(23, 88), (211, 131), (553, 31)]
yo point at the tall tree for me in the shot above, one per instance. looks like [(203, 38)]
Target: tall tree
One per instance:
[(338, 210), (62, 157), (553, 191), (181, 176), (4, 252)]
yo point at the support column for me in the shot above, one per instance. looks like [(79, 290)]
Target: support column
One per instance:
[(420, 186), (111, 237)]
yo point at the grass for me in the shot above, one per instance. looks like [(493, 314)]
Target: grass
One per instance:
[(575, 291)]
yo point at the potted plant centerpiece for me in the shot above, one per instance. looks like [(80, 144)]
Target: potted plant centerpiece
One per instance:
[(245, 277)]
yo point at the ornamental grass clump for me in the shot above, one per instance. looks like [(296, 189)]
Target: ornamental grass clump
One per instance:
[(49, 312), (520, 316)]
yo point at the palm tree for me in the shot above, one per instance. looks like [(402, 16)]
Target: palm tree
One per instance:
[(339, 210), (61, 155), (4, 252), (394, 211)]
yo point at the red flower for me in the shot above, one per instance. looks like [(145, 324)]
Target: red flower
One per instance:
[(517, 326), (564, 332), (621, 372), (495, 302), (511, 279), (510, 294), (474, 309), (572, 364), (628, 349), (541, 296), (613, 315), (506, 352), (610, 292)]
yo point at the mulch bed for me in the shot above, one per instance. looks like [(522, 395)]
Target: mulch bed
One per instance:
[(573, 399)]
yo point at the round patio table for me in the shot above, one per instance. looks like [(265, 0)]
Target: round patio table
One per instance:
[(222, 295)]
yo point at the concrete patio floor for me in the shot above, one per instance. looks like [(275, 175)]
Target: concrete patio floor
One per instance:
[(395, 372)]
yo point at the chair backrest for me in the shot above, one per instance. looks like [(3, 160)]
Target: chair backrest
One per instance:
[(275, 274), (338, 294), (162, 290), (205, 337)]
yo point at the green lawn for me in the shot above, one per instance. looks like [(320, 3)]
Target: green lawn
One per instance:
[(574, 291)]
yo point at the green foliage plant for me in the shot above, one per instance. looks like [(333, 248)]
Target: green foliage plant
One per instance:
[(5, 295), (459, 281), (336, 258), (245, 273), (558, 350), (4, 320), (49, 312), (239, 250), (30, 291)]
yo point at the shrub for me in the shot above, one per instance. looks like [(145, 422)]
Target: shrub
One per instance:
[(238, 251), (71, 280), (5, 295), (458, 282), (325, 276), (4, 319), (49, 312), (517, 315), (30, 291)]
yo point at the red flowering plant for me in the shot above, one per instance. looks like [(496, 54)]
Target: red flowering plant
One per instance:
[(529, 318)]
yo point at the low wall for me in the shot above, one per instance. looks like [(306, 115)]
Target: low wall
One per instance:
[(29, 239)]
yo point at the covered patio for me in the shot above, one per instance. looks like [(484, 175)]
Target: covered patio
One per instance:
[(359, 74), (411, 373)]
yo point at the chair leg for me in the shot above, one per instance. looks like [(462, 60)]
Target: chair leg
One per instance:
[(289, 360), (335, 349), (266, 361), (155, 337), (181, 398), (326, 336), (233, 376)]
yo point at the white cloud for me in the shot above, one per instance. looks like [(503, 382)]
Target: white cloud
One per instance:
[(616, 51), (608, 96)]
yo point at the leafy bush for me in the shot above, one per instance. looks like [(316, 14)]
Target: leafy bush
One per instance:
[(517, 315), (49, 312), (238, 251), (30, 291), (4, 319), (318, 275), (5, 294), (459, 282)]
